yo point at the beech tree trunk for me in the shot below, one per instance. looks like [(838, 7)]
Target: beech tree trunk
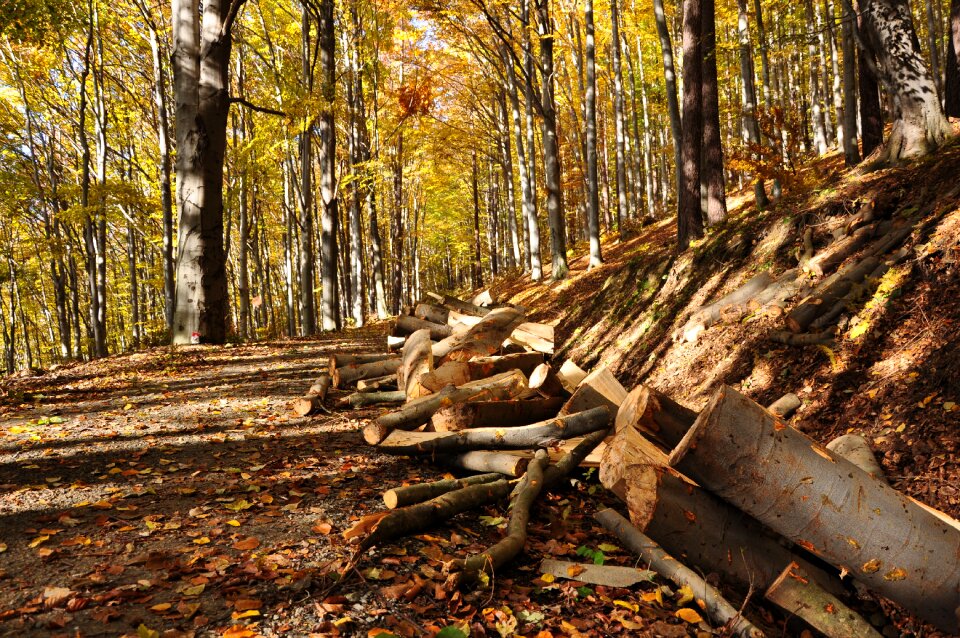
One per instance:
[(327, 132), (951, 89), (689, 216), (712, 170), (670, 81), (590, 114), (618, 120), (825, 504), (920, 126), (851, 151), (201, 64)]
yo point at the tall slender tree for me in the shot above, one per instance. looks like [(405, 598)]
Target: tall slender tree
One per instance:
[(689, 215), (590, 111), (329, 303)]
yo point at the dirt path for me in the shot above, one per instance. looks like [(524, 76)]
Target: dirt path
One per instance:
[(173, 491)]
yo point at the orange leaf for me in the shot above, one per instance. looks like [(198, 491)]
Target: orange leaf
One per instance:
[(250, 542), (243, 604), (688, 615)]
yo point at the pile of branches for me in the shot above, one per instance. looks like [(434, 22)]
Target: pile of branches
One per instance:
[(734, 490)]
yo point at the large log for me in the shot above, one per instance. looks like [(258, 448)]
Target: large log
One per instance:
[(363, 399), (350, 373), (832, 256), (430, 312), (378, 384), (825, 504), (599, 387), (709, 533), (477, 414), (407, 325), (798, 595), (716, 606), (460, 372), (711, 314), (655, 414), (417, 361), (525, 437), (504, 463), (508, 385), (626, 448), (483, 339), (449, 373), (313, 400), (459, 305), (535, 336)]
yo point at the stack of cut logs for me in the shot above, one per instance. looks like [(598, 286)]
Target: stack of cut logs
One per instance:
[(828, 284), (733, 491)]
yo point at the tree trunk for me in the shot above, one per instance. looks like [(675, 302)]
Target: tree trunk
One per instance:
[(871, 117), (750, 458), (551, 145), (476, 272), (920, 126), (814, 88), (618, 120), (712, 171), (329, 217), (201, 65), (590, 114), (308, 315), (670, 81), (689, 216), (748, 104), (536, 269), (951, 89), (851, 152)]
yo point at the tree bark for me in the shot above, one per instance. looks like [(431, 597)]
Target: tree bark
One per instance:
[(345, 374), (327, 132), (417, 360), (851, 151), (308, 315), (656, 415), (712, 171), (623, 210), (670, 81), (484, 461), (478, 414), (825, 504), (590, 113), (951, 89), (407, 325), (545, 381), (748, 104), (420, 492)]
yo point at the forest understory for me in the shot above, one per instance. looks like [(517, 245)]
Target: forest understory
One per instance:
[(172, 491)]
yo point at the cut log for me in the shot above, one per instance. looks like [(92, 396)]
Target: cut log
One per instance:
[(739, 298), (525, 437), (420, 492), (505, 414), (450, 373), (545, 381), (483, 339), (716, 606), (526, 362), (854, 448), (432, 313), (378, 384), (831, 257), (350, 373), (772, 300), (798, 595), (802, 339), (606, 575), (574, 458), (363, 399), (504, 386), (394, 343), (459, 305), (709, 533), (460, 321), (385, 526), (484, 299), (485, 461), (522, 498), (338, 360), (655, 414), (407, 325), (313, 400), (784, 406), (626, 448), (534, 336), (825, 504), (571, 375), (599, 387), (417, 360)]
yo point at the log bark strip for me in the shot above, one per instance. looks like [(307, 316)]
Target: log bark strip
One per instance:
[(525, 437), (363, 399), (459, 305), (505, 414), (798, 595), (461, 372), (338, 360), (431, 312), (716, 606), (417, 412), (407, 325), (826, 505), (420, 492), (378, 384)]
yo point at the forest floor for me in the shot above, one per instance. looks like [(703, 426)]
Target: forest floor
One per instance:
[(172, 492)]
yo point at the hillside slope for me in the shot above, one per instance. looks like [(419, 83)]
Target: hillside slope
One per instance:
[(890, 373)]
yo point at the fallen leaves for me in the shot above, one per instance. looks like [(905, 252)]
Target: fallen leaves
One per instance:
[(248, 543)]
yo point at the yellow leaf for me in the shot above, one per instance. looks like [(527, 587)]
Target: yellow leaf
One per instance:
[(196, 590), (3, 547), (161, 607), (128, 406), (634, 607), (547, 578), (686, 595), (949, 406), (38, 540), (145, 632), (244, 614), (233, 522), (651, 596), (203, 540), (688, 615)]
